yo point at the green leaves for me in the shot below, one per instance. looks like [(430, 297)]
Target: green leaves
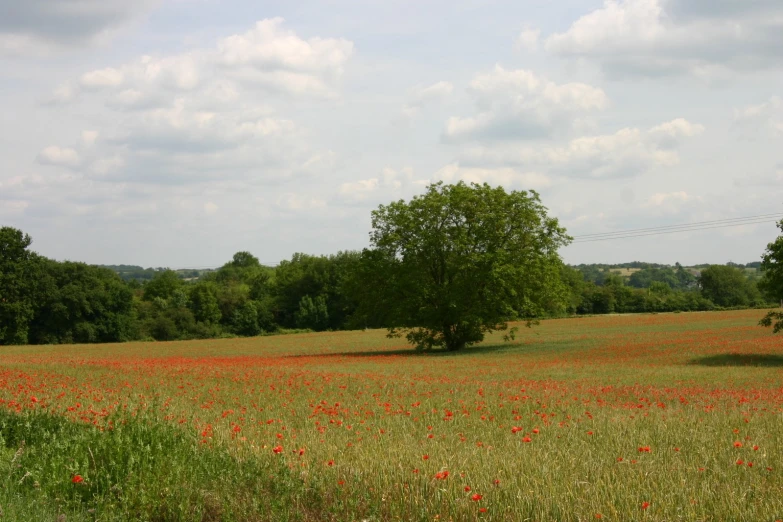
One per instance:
[(459, 261), (772, 267)]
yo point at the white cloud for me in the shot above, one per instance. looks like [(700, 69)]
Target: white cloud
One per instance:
[(420, 96), (520, 104), (764, 116), (389, 184), (359, 189), (108, 77), (660, 199), (292, 201), (626, 153), (210, 208), (13, 207), (268, 56), (664, 37), (89, 137), (273, 56), (528, 39), (61, 156), (505, 176)]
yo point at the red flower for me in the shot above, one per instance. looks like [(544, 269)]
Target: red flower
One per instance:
[(278, 449), (442, 475), (737, 444), (645, 505), (740, 462), (77, 479), (425, 457), (516, 429), (755, 448), (330, 463), (476, 497), (467, 488), (535, 430), (644, 449), (301, 452), (527, 439), (482, 510)]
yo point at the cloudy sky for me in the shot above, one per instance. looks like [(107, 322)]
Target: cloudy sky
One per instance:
[(177, 132)]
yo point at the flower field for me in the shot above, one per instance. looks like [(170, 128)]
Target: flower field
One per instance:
[(644, 417)]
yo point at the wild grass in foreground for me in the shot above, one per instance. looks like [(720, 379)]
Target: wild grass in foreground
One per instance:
[(659, 417)]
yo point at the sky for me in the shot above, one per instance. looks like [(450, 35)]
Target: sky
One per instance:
[(178, 132)]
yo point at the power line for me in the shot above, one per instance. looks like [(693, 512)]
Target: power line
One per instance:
[(689, 227), (697, 223)]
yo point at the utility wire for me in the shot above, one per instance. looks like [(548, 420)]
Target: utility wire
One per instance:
[(730, 220), (690, 227)]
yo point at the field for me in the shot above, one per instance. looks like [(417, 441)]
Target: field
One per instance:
[(643, 417)]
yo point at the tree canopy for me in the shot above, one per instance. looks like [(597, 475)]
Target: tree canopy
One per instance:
[(771, 283), (459, 261)]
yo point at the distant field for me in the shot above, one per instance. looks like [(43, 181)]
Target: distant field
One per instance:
[(643, 417), (625, 272)]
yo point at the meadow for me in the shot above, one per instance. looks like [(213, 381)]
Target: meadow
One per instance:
[(622, 417)]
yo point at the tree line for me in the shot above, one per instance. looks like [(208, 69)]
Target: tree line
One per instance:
[(442, 269)]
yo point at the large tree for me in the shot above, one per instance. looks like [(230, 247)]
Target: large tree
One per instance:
[(459, 261), (771, 283)]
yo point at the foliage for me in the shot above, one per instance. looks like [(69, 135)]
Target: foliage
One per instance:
[(771, 283), (461, 260), (313, 313), (727, 286), (162, 285), (82, 304), (325, 276), (17, 285)]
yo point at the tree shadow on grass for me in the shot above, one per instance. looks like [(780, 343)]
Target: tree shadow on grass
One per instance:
[(412, 352), (740, 359)]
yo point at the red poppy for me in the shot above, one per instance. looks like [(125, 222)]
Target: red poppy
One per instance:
[(278, 449), (77, 479), (645, 505), (467, 488), (476, 497), (737, 444)]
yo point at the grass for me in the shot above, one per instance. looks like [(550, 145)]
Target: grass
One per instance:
[(644, 417)]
